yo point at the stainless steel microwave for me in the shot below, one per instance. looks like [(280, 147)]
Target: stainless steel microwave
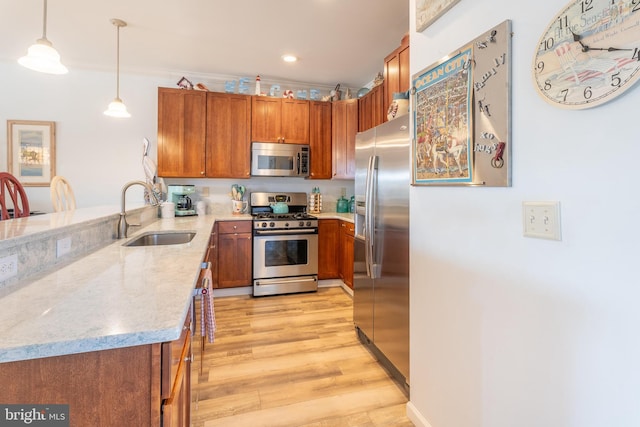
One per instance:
[(273, 159)]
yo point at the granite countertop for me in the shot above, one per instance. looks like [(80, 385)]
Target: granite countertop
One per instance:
[(116, 296), (335, 215)]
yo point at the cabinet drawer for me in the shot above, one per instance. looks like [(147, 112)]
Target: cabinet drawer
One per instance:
[(172, 356), (349, 227), (228, 227)]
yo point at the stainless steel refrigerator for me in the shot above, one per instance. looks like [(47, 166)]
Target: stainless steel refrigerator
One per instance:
[(381, 249)]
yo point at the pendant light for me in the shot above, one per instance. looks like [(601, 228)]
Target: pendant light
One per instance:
[(41, 56), (116, 107)]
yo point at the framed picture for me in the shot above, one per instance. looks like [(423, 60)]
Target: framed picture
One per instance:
[(428, 11), (443, 121), (31, 149)]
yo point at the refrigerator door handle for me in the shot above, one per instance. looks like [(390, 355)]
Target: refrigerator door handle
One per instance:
[(372, 177), (367, 218)]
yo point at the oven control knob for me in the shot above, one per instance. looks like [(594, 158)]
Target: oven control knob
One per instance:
[(286, 224), (272, 224), (301, 224), (264, 224), (308, 223)]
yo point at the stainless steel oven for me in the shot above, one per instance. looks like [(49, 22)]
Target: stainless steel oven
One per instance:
[(285, 245)]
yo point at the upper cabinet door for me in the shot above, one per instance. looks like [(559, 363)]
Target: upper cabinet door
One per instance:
[(320, 140), (266, 117), (396, 72), (181, 133), (295, 121), (371, 110), (279, 120), (228, 148), (344, 126)]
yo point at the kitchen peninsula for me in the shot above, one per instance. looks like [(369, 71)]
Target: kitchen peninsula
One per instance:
[(105, 332)]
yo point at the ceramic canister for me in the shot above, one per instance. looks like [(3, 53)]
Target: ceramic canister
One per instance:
[(168, 210), (399, 106)]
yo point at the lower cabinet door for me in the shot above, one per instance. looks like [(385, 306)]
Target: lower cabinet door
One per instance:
[(176, 410)]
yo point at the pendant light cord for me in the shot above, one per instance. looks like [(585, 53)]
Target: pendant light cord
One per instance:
[(44, 23), (117, 62)]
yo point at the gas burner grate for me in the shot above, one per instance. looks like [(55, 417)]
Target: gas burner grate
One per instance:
[(270, 215)]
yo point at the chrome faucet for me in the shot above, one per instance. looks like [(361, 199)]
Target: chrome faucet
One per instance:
[(123, 226)]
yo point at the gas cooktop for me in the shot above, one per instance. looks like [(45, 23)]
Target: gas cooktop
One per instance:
[(271, 215)]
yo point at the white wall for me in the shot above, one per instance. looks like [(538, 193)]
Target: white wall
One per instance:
[(98, 154), (512, 331)]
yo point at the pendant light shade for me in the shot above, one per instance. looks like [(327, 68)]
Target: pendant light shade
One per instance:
[(116, 107), (41, 56)]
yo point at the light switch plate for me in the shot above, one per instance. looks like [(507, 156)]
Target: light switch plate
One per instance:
[(541, 220)]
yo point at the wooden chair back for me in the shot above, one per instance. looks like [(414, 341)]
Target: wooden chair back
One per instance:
[(12, 196), (62, 196)]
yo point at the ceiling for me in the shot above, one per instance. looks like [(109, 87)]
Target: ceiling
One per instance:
[(338, 41)]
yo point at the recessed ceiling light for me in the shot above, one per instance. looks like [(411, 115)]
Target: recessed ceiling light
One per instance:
[(289, 58)]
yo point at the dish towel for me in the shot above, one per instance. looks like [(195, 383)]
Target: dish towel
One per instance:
[(207, 316)]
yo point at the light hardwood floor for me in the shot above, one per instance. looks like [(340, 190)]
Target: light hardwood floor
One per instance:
[(291, 360)]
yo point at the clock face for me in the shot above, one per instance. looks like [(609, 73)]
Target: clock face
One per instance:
[(589, 53)]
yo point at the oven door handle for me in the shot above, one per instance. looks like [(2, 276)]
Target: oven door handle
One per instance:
[(286, 232), (296, 280)]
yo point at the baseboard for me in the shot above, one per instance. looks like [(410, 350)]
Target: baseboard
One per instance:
[(248, 290), (330, 283), (415, 416)]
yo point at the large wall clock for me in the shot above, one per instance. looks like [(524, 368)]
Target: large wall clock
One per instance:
[(589, 53)]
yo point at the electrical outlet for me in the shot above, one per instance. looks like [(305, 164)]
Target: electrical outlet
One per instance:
[(541, 220), (8, 267), (63, 246)]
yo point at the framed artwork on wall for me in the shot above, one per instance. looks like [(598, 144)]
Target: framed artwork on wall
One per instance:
[(462, 115), (428, 11), (31, 151), (443, 126)]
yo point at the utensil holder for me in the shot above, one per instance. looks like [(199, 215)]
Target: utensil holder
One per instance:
[(315, 203)]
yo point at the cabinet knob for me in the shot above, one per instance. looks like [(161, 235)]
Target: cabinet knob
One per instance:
[(201, 172)]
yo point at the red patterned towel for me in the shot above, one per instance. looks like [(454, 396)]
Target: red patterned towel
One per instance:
[(207, 314)]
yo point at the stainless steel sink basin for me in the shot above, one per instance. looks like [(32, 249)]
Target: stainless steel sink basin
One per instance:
[(157, 238)]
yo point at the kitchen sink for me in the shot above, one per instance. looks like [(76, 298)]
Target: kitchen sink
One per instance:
[(158, 238)]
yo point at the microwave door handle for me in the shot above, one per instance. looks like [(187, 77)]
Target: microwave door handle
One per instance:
[(299, 160)]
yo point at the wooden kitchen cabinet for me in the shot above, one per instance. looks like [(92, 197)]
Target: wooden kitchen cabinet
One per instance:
[(115, 387), (203, 134), (344, 127), (320, 140), (234, 254), (328, 249), (181, 133), (176, 379), (212, 255), (397, 77), (346, 252), (228, 143), (279, 120), (371, 111)]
